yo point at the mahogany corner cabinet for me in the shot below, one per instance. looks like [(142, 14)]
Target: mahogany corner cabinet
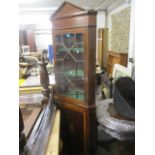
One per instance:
[(74, 44)]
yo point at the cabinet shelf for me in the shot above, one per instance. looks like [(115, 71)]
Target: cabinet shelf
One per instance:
[(74, 73), (75, 94), (75, 83), (77, 50)]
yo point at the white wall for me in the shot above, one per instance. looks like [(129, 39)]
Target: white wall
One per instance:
[(43, 38), (100, 19), (42, 27), (34, 19)]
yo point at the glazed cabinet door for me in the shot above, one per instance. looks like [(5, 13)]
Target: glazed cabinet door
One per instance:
[(69, 63)]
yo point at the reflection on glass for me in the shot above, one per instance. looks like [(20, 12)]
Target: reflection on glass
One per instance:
[(61, 52), (68, 40), (77, 52), (59, 66), (70, 65)]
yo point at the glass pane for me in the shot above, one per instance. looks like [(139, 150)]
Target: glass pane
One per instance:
[(68, 40), (78, 49), (59, 66), (62, 83), (70, 66), (79, 38), (58, 39), (75, 94), (61, 51), (77, 52)]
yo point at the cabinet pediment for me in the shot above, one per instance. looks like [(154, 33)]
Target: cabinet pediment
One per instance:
[(68, 9)]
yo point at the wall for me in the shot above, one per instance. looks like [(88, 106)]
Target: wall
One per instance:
[(130, 40), (43, 38), (42, 26), (131, 53), (100, 24), (100, 19), (119, 29), (35, 19)]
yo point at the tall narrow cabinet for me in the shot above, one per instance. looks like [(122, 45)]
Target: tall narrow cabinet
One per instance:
[(74, 42)]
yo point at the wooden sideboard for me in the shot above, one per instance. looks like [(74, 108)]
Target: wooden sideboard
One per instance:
[(115, 58)]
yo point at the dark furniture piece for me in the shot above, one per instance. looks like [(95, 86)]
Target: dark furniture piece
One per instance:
[(74, 42), (27, 37), (22, 37), (31, 40)]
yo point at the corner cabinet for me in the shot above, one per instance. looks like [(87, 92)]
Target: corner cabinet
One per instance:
[(74, 42)]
